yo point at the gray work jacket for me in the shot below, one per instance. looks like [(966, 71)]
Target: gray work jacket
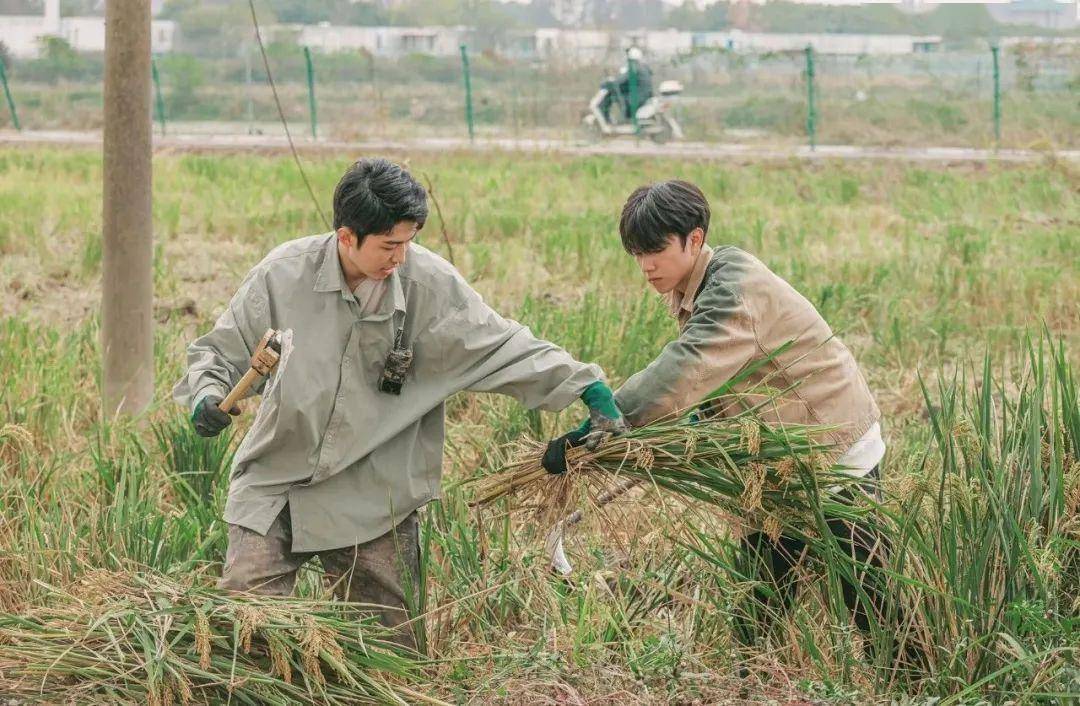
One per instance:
[(351, 461)]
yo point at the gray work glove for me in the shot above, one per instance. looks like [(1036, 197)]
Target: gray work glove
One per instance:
[(208, 418)]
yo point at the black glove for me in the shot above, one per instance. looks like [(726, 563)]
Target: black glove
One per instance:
[(208, 418), (554, 460)]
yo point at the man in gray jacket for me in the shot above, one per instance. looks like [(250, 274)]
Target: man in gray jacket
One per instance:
[(733, 311), (337, 462)]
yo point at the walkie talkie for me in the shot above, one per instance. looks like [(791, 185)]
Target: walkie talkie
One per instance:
[(397, 365)]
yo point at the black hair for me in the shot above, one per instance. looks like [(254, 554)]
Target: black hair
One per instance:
[(374, 195), (655, 211)]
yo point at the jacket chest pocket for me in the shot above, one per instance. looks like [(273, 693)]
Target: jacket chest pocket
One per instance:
[(374, 341)]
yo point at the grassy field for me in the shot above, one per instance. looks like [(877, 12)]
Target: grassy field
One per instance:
[(956, 288)]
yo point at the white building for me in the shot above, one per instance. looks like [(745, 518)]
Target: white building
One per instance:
[(575, 45), (809, 2), (584, 46), (379, 41), (1064, 44), (23, 34), (1049, 14), (659, 44), (856, 44)]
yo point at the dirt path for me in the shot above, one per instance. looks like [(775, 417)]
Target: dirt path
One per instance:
[(707, 150)]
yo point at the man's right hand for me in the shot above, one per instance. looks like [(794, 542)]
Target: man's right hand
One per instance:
[(605, 419), (208, 418)]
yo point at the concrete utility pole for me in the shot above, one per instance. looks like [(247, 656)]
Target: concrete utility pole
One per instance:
[(127, 297)]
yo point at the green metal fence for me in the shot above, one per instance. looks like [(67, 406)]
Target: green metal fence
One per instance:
[(159, 102), (468, 91), (311, 92), (10, 100), (1012, 96)]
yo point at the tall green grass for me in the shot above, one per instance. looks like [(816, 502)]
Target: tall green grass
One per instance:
[(913, 266), (982, 551)]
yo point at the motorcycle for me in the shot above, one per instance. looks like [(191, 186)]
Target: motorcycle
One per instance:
[(654, 118)]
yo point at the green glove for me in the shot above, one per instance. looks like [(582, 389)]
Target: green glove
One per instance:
[(604, 415)]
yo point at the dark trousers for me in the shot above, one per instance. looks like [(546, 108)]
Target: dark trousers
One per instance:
[(774, 563), (381, 573)]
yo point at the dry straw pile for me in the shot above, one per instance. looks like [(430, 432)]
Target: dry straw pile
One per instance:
[(150, 639)]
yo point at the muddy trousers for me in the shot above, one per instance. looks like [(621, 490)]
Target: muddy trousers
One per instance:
[(384, 572), (774, 564)]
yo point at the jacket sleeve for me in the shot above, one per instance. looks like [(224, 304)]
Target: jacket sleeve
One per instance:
[(217, 360), (484, 352), (716, 343)]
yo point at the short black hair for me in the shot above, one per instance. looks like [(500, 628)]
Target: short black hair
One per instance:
[(655, 211), (374, 195)]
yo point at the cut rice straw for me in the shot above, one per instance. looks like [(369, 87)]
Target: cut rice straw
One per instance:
[(769, 477), (149, 639)]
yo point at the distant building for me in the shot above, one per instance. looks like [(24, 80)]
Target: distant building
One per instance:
[(878, 44), (584, 46), (378, 41), (1047, 14), (518, 44), (805, 2), (659, 44), (575, 45), (1064, 44), (588, 46), (23, 34)]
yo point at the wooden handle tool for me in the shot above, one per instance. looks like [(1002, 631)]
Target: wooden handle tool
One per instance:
[(263, 361)]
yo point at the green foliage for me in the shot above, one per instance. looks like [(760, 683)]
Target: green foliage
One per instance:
[(213, 29), (711, 18), (5, 55), (941, 115), (91, 254), (950, 21), (936, 98), (765, 113), (793, 17), (58, 61), (981, 563), (914, 266), (197, 467), (182, 76)]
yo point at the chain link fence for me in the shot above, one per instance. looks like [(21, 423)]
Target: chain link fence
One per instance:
[(919, 99)]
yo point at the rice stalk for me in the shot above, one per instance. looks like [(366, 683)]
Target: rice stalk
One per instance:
[(146, 638), (738, 466)]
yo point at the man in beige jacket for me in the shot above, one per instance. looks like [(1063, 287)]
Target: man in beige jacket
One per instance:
[(732, 312)]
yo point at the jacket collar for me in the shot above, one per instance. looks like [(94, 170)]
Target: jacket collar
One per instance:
[(679, 303), (330, 278)]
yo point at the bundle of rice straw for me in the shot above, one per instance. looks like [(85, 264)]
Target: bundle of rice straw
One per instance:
[(767, 478), (148, 639)]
